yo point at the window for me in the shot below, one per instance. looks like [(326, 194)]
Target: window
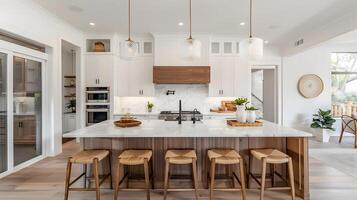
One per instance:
[(344, 83)]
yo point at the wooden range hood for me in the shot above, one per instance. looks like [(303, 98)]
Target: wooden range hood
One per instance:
[(181, 74)]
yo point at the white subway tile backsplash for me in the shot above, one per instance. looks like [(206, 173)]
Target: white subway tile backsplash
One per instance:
[(192, 96)]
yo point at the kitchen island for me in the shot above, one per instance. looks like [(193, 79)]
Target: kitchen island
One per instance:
[(160, 136)]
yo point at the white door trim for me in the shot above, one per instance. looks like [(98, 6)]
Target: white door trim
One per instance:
[(278, 89)]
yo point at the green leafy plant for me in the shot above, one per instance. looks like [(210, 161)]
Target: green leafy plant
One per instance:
[(251, 108), (149, 105), (323, 119), (241, 101)]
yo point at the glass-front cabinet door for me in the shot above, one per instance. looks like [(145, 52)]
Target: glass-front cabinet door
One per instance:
[(27, 112), (3, 113)]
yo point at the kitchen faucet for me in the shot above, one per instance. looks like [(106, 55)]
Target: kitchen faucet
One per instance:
[(180, 113), (194, 116)]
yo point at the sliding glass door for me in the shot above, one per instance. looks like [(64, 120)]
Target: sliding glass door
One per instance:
[(22, 92), (27, 113), (3, 113)]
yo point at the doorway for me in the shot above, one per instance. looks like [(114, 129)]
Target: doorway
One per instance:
[(70, 90), (264, 92)]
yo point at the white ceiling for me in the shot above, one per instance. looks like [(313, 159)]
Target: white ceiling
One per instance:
[(278, 21)]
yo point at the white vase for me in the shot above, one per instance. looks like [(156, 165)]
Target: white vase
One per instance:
[(241, 114), (322, 135), (251, 116)]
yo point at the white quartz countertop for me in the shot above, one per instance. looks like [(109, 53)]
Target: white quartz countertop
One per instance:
[(206, 128)]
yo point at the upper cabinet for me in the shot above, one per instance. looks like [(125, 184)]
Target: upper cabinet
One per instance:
[(224, 47), (134, 77), (28, 75), (99, 70), (223, 70)]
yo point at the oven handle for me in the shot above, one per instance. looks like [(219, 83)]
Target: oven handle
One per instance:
[(98, 110), (97, 92)]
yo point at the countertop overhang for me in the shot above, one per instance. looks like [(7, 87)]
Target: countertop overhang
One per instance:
[(202, 129)]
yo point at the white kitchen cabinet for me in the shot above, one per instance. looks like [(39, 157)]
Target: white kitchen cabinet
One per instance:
[(134, 77), (99, 70), (69, 122), (222, 76)]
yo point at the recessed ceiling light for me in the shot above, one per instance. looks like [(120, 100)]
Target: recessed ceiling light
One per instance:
[(92, 23), (266, 42), (242, 24), (180, 24)]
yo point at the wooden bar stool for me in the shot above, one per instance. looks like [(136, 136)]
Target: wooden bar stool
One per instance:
[(88, 157), (271, 156), (226, 157), (180, 157), (131, 158)]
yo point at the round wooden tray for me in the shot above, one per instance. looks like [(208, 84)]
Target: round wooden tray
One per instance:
[(125, 123)]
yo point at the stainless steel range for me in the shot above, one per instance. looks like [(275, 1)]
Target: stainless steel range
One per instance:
[(185, 115)]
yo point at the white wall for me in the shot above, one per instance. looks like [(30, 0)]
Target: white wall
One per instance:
[(27, 19), (298, 111)]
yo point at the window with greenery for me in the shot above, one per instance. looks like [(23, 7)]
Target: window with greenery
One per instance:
[(344, 83)]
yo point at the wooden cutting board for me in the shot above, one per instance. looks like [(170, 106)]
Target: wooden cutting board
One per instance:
[(236, 123), (221, 111)]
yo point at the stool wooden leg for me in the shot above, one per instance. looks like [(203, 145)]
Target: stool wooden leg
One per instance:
[(291, 177), (213, 172), (194, 169), (96, 177), (264, 168), (147, 178), (117, 181), (272, 171), (85, 176), (242, 179), (110, 170), (167, 167), (68, 178)]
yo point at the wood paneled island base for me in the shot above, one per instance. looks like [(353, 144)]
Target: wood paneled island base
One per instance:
[(295, 147)]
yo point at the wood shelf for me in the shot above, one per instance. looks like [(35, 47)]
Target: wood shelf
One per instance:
[(69, 86), (69, 76)]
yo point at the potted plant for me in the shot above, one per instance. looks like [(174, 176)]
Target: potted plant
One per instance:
[(241, 105), (322, 123), (149, 106), (251, 116)]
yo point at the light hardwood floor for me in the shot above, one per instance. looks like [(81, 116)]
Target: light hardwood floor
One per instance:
[(332, 177)]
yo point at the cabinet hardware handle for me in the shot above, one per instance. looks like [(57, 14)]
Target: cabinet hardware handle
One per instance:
[(98, 81)]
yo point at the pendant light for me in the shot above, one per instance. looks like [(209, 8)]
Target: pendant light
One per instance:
[(191, 47), (130, 47), (255, 45)]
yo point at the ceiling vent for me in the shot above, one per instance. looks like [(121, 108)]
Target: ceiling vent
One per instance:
[(299, 42)]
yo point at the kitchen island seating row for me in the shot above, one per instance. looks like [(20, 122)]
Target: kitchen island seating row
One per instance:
[(161, 136), (143, 157)]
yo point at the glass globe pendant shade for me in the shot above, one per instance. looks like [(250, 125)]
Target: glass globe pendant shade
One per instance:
[(130, 49), (255, 48), (191, 48)]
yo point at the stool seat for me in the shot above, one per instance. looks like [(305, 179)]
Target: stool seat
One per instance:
[(181, 156), (272, 155), (135, 157), (87, 156), (224, 156)]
